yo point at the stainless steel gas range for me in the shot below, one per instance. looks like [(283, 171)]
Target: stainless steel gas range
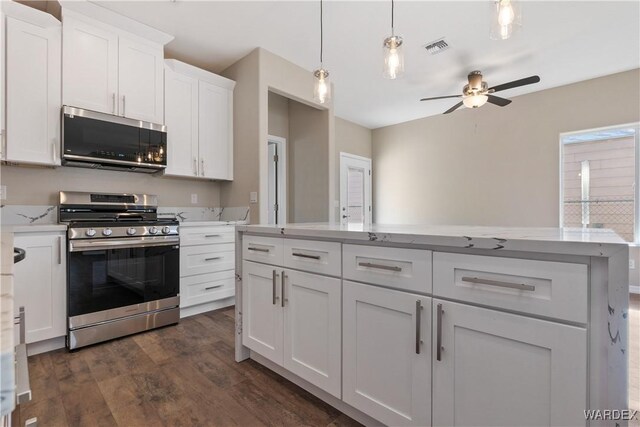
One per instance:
[(123, 266)]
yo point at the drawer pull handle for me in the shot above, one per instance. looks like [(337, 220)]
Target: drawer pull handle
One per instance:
[(208, 288), (519, 286), (273, 288), (380, 266), (298, 254), (211, 235), (440, 312), (284, 277), (213, 259), (251, 248), (418, 315)]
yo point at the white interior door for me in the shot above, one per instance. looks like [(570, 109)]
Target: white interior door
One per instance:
[(355, 190), (277, 180)]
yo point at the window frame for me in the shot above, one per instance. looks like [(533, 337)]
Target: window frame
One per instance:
[(634, 125)]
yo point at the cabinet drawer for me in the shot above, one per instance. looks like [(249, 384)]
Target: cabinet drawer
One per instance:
[(204, 288), (546, 288), (206, 259), (190, 236), (408, 269), (309, 255), (262, 249)]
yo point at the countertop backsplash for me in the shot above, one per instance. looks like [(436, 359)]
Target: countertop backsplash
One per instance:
[(40, 215)]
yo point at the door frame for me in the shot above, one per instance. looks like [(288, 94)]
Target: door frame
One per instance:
[(283, 207), (344, 161)]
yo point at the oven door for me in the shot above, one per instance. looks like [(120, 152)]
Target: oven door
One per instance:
[(114, 278)]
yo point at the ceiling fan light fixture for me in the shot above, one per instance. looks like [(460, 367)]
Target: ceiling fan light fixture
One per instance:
[(475, 101), (505, 19), (393, 57)]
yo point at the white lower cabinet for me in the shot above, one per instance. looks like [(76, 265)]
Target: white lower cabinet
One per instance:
[(293, 319), (500, 369), (387, 354), (40, 284)]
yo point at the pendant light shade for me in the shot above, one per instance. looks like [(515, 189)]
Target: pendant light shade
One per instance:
[(393, 52), (475, 101), (322, 86), (505, 19)]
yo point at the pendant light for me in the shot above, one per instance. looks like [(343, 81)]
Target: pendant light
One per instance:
[(322, 87), (392, 51), (505, 18)]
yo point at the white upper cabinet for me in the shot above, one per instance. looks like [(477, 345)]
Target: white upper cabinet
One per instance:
[(181, 118), (111, 63), (140, 80), (199, 119), (33, 86), (90, 66)]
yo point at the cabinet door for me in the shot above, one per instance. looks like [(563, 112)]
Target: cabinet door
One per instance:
[(214, 132), (312, 329), (90, 66), (140, 86), (262, 314), (499, 369), (181, 118), (387, 354), (33, 93), (40, 285)]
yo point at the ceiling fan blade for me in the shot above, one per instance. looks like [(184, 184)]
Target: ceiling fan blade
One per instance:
[(454, 108), (516, 83), (498, 101), (441, 97)]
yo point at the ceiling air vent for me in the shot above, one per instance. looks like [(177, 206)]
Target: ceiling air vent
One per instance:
[(437, 46)]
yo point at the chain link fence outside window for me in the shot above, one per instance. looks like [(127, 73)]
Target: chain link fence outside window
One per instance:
[(616, 214)]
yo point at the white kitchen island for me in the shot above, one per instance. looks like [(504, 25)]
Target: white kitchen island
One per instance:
[(440, 325)]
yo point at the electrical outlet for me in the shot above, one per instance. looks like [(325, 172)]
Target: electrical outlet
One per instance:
[(194, 198), (3, 192), (632, 264), (253, 197)]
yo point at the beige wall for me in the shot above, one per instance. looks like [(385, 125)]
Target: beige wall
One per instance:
[(353, 139), (492, 166), (40, 186), (278, 115), (308, 157), (256, 75)]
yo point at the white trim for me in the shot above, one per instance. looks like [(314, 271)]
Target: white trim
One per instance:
[(368, 185), (282, 180), (206, 307), (198, 73), (355, 157), (29, 14), (634, 289), (46, 345)]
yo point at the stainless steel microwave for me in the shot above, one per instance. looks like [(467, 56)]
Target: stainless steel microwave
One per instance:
[(98, 140)]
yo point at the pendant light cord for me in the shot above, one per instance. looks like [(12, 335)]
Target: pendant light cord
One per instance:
[(321, 34), (392, 31)]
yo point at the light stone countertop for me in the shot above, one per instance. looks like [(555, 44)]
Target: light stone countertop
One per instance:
[(33, 228), (7, 341), (210, 223), (571, 241)]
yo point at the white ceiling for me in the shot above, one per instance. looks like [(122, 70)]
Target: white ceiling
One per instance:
[(561, 41)]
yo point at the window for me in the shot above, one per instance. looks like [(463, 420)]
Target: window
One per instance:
[(599, 172)]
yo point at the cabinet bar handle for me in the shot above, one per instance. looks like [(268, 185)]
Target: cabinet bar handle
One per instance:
[(251, 248), (202, 166), (213, 287), (211, 235), (519, 286), (306, 256), (60, 249), (213, 258), (123, 103), (113, 103), (418, 322), (439, 333), (273, 288), (380, 266), (284, 277), (195, 166), (53, 151)]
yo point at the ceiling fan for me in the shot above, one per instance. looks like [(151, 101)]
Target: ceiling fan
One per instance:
[(477, 93)]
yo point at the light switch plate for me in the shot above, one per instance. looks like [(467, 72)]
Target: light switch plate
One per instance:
[(194, 198), (253, 197), (3, 192)]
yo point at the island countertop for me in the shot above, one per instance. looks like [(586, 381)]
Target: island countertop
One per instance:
[(571, 241)]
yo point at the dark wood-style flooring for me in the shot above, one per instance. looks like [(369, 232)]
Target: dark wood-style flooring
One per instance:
[(183, 375)]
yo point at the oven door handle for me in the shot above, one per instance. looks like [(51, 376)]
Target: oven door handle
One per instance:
[(141, 242)]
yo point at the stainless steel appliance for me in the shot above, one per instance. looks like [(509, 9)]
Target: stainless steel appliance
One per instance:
[(97, 140), (123, 266)]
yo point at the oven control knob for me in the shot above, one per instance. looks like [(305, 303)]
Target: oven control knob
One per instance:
[(90, 232), (153, 230), (166, 229), (107, 232), (131, 231)]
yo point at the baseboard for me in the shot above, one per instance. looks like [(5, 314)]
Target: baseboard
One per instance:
[(203, 308), (345, 408), (634, 289), (45, 346)]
